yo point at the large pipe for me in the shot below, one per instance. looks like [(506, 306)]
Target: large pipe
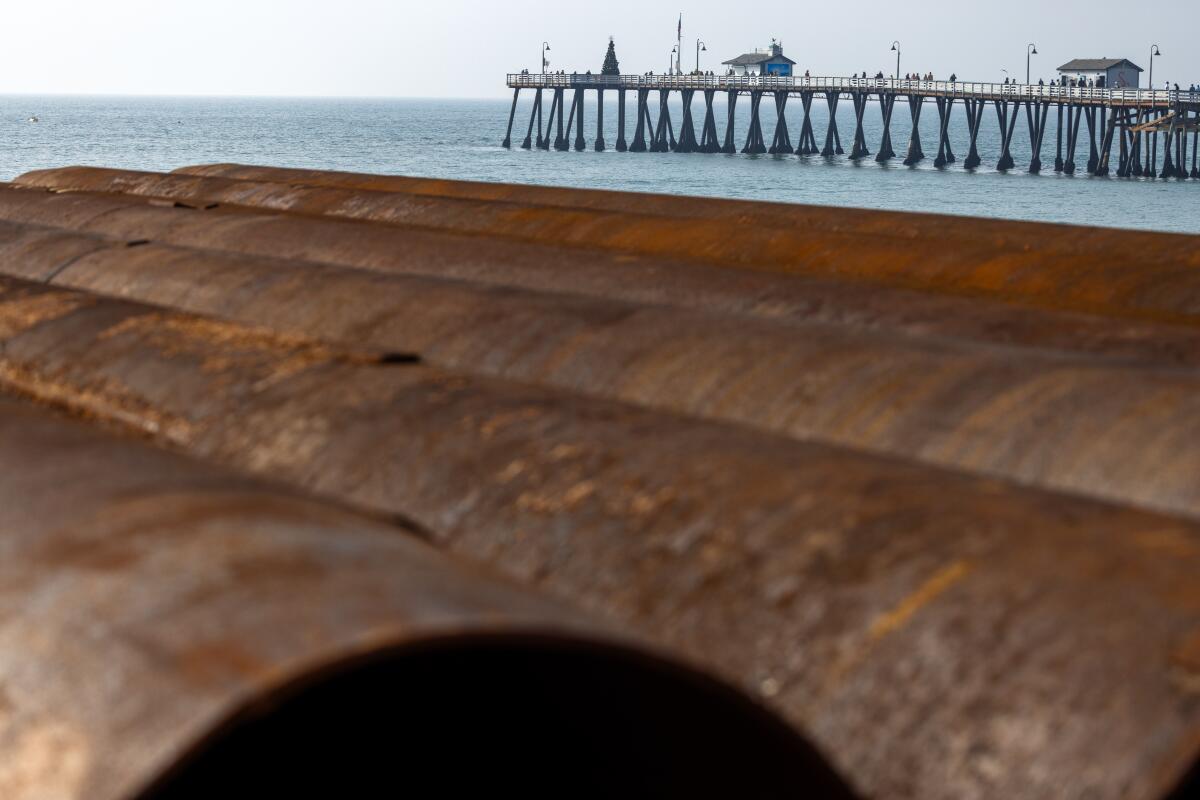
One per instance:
[(632, 278), (926, 627), (1109, 428), (1077, 269), (168, 629)]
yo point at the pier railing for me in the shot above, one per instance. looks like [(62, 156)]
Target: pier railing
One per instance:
[(963, 89)]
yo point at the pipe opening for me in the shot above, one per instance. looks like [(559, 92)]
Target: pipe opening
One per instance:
[(1189, 787), (536, 716)]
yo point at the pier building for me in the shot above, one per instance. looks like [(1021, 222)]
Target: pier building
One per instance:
[(1114, 73), (771, 61)]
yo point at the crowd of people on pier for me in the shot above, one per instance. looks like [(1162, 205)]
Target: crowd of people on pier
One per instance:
[(1072, 83)]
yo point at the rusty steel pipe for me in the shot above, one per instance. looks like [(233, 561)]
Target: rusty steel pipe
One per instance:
[(156, 614), (927, 628), (945, 228), (1118, 430), (1076, 269), (782, 299)]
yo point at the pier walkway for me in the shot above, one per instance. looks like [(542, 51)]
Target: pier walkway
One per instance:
[(1136, 121)]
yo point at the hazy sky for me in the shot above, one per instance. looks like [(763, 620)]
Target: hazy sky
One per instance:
[(454, 48)]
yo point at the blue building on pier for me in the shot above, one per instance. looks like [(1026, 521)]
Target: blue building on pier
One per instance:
[(771, 61)]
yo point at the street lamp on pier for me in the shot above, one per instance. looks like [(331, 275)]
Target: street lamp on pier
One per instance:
[(545, 63), (1154, 51), (896, 48), (1030, 51), (671, 59), (699, 46)]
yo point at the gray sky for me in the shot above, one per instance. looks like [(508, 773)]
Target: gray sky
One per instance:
[(455, 48)]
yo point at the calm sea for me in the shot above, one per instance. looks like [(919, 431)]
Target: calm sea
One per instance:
[(460, 139)]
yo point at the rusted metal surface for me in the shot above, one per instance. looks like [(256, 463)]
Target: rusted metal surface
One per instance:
[(940, 636), (1114, 429), (783, 299), (1086, 270), (146, 600)]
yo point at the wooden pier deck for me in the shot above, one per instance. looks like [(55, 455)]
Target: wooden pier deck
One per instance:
[(1130, 121)]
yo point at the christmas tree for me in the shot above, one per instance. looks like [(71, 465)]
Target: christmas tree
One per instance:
[(611, 67)]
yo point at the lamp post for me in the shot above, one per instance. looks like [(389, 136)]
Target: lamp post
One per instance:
[(699, 46), (1154, 51), (1030, 51), (896, 48), (545, 63), (671, 60)]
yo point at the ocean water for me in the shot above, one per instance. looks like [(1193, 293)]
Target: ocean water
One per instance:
[(461, 139)]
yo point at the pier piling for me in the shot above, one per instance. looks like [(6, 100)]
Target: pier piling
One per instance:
[(622, 146), (808, 139), (886, 105), (975, 111), (754, 138), (833, 144), (945, 106), (1036, 115), (512, 114), (600, 121), (1134, 118), (782, 141), (730, 123), (709, 141), (859, 149), (580, 144), (687, 129), (915, 153)]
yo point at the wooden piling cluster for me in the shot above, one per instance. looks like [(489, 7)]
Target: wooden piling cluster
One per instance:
[(1130, 121), (881, 498)]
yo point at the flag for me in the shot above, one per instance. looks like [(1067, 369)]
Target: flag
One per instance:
[(680, 31)]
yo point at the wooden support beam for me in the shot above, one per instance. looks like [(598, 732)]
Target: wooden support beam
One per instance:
[(560, 138), (859, 148), (1036, 115), (1058, 131), (782, 142), (1008, 125), (975, 111), (887, 102), (1093, 131), (1135, 155), (643, 115), (915, 153), (945, 106), (580, 101), (808, 140), (1168, 166), (664, 132), (709, 142), (600, 120), (754, 139), (730, 122), (833, 143), (1074, 119), (535, 116), (622, 145), (512, 115), (687, 129), (566, 139), (1102, 165)]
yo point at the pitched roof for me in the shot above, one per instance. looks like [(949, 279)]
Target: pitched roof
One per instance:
[(750, 59), (1096, 64)]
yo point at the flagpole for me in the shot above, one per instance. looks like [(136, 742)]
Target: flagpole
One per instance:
[(679, 50)]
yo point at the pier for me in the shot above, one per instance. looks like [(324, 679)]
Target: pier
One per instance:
[(1126, 132)]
